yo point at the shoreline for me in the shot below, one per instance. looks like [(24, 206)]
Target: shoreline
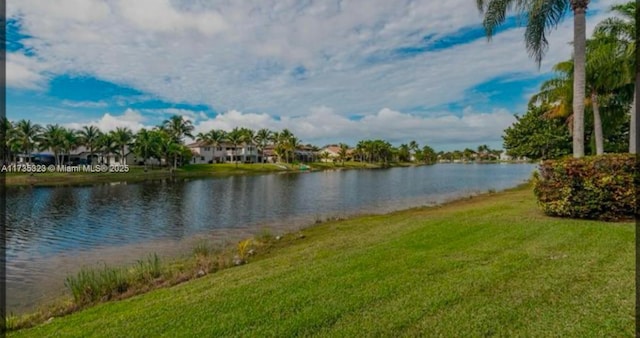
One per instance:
[(138, 174), (197, 171), (496, 226), (64, 305)]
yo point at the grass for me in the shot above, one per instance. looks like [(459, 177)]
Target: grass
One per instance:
[(488, 265)]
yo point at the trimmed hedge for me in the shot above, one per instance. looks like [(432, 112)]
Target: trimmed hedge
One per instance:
[(594, 187)]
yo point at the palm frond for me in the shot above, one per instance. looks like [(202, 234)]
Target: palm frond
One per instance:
[(543, 15)]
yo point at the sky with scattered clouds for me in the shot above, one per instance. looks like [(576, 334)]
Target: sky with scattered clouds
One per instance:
[(330, 71)]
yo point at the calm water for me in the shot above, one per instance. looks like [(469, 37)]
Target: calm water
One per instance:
[(52, 231)]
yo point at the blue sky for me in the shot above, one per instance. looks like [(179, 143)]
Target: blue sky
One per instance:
[(329, 71)]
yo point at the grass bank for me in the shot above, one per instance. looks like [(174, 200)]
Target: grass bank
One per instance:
[(489, 265), (137, 173)]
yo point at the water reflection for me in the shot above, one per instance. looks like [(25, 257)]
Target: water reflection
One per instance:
[(52, 231)]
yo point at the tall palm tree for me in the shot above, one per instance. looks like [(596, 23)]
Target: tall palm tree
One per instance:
[(235, 137), (27, 134), (143, 145), (414, 147), (52, 138), (606, 72), (178, 128), (623, 28), (89, 136), (249, 137), (69, 141), (123, 138), (107, 145), (262, 140), (542, 15), (343, 150)]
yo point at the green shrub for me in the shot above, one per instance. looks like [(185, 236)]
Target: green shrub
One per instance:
[(593, 187)]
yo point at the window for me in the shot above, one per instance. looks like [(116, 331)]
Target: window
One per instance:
[(201, 158), (219, 149), (207, 148)]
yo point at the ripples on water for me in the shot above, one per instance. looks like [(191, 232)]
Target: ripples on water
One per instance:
[(52, 231)]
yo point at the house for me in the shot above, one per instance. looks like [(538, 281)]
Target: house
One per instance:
[(204, 152), (329, 153)]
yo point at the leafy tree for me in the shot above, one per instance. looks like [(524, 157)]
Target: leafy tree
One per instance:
[(404, 153), (429, 156), (537, 137), (622, 28), (540, 17)]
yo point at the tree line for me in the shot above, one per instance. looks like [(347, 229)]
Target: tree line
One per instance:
[(607, 109), (165, 143), (601, 76)]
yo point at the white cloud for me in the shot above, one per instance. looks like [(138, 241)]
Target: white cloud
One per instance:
[(24, 72), (84, 104), (241, 55), (130, 118), (323, 126)]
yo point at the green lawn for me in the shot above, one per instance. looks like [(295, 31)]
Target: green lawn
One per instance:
[(491, 265)]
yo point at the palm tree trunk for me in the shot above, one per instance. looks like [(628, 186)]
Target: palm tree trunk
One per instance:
[(633, 132), (597, 124), (579, 74)]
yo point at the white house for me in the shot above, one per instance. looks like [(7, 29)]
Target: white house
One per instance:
[(224, 152)]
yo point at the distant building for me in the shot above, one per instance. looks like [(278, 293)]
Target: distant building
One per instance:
[(204, 152)]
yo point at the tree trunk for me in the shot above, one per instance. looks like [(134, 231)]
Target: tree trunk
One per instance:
[(633, 132), (597, 124), (579, 44)]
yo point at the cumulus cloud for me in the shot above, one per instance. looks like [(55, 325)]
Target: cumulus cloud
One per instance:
[(24, 72), (322, 125), (130, 118), (255, 60)]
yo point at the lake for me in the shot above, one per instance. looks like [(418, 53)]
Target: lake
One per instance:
[(53, 231)]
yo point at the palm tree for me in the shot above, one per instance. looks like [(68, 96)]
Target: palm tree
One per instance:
[(123, 137), (143, 145), (606, 72), (69, 141), (178, 128), (542, 15), (89, 136), (52, 138), (430, 156), (404, 153), (27, 134), (235, 137), (249, 137), (343, 151), (556, 94), (262, 140), (623, 28), (414, 147), (108, 146)]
